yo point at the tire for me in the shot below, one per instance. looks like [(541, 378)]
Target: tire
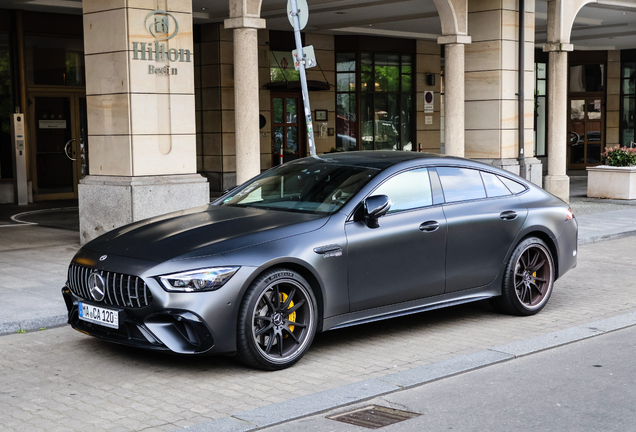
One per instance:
[(277, 320), (529, 279)]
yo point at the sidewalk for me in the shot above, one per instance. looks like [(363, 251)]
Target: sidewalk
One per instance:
[(38, 241)]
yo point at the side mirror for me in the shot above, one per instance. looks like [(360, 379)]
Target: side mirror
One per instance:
[(374, 208)]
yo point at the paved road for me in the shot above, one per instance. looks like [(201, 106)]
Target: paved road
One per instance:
[(586, 386), (62, 380)]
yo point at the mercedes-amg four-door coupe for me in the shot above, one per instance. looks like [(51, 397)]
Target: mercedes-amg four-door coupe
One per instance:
[(318, 244)]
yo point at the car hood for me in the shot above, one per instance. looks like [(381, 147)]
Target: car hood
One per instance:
[(202, 231)]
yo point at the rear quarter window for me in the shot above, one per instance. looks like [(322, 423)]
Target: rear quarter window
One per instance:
[(514, 186), (461, 184)]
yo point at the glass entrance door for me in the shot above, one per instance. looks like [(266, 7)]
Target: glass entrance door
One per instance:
[(287, 127), (58, 131), (585, 132)]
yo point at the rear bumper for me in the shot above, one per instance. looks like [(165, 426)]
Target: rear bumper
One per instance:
[(567, 242)]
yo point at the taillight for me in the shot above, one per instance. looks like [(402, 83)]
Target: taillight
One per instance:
[(569, 215)]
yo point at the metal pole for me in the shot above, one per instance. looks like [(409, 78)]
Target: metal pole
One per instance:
[(300, 61), (522, 67)]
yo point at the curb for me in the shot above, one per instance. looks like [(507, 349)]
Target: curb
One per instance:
[(604, 237), (327, 400), (33, 324)]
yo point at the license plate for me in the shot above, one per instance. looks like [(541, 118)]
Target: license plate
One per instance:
[(99, 315)]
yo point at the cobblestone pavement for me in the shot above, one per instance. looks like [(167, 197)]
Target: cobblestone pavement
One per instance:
[(62, 380)]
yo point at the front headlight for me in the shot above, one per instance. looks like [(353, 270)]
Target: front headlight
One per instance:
[(209, 279)]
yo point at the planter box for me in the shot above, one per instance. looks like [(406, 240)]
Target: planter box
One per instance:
[(611, 182)]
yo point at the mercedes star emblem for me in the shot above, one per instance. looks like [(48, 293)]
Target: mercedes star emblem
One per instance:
[(97, 286)]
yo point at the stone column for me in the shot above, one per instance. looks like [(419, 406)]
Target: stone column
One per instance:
[(454, 116), (141, 114), (246, 96), (557, 182)]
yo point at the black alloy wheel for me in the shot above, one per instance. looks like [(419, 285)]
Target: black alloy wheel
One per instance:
[(528, 280), (277, 320)]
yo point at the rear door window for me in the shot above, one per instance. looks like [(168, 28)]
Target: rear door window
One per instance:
[(461, 184)]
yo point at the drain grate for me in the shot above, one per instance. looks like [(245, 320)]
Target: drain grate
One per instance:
[(373, 417)]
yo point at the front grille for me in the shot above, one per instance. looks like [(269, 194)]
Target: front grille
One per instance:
[(121, 290)]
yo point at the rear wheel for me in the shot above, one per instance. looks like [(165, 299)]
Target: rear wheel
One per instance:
[(277, 320), (528, 280)]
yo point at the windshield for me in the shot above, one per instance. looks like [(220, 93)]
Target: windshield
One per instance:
[(311, 187)]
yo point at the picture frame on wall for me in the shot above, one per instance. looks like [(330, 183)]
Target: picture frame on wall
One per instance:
[(321, 115)]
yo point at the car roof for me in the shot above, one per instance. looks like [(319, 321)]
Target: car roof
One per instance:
[(378, 158)]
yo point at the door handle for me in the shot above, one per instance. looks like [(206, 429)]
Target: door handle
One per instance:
[(429, 226), (66, 149), (508, 215)]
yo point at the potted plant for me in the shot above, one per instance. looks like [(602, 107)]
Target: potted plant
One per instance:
[(616, 178)]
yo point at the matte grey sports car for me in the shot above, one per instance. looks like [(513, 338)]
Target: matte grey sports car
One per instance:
[(319, 244)]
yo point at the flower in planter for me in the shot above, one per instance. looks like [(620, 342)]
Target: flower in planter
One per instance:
[(619, 156)]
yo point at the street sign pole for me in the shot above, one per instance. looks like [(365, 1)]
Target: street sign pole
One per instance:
[(300, 63)]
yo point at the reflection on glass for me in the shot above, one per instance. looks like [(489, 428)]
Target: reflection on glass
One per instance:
[(594, 109), (409, 190), (278, 110), (627, 120), (346, 62), (292, 110), (407, 109), (367, 115), (54, 60), (366, 76), (346, 126), (406, 73), (587, 78), (387, 117), (541, 70), (461, 184), (281, 67), (577, 109), (387, 72), (594, 138), (346, 82), (279, 136), (292, 139)]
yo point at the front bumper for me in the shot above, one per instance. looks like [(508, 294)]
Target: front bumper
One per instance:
[(173, 330)]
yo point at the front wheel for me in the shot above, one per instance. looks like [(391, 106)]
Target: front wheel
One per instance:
[(277, 320), (528, 280)]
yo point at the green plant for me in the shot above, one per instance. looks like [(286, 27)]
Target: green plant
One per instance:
[(619, 156), (21, 331)]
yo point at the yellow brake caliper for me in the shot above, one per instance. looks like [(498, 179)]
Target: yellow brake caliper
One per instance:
[(292, 316)]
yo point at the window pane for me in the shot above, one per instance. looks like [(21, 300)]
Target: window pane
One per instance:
[(629, 86), (512, 185), (54, 60), (346, 82), (346, 126), (406, 73), (408, 190), (366, 77), (279, 136), (594, 109), (461, 184), (627, 121), (292, 110), (586, 78), (541, 87), (629, 68), (346, 62), (577, 109), (407, 122), (292, 139), (387, 72), (367, 115), (281, 67), (494, 186), (541, 70), (594, 142), (387, 117), (278, 110)]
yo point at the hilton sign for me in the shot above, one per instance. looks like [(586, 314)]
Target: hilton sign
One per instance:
[(163, 26)]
